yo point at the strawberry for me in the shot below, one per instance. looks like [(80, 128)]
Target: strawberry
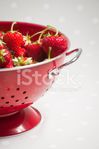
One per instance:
[(13, 39), (21, 61), (56, 45), (10, 64), (35, 51), (20, 52), (5, 57)]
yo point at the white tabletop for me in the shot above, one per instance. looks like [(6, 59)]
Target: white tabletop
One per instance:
[(70, 110)]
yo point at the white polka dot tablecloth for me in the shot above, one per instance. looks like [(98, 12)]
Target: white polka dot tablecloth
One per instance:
[(70, 110)]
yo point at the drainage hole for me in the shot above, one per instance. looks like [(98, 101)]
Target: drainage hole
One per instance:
[(16, 100), (2, 98), (7, 102), (18, 89), (12, 96), (26, 97), (24, 92)]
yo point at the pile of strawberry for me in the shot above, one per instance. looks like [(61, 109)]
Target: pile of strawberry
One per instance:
[(19, 50)]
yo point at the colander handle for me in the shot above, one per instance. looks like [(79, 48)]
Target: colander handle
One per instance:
[(56, 71)]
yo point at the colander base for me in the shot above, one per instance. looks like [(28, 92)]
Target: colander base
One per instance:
[(20, 122)]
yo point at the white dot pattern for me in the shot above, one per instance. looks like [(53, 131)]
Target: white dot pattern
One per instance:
[(95, 20), (80, 7), (46, 6), (52, 146), (14, 5)]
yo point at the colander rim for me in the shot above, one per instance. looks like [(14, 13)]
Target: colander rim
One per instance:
[(33, 65)]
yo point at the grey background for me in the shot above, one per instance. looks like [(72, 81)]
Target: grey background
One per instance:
[(70, 109)]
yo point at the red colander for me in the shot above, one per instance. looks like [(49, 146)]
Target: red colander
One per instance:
[(22, 86)]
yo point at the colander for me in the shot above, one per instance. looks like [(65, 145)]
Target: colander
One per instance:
[(22, 86)]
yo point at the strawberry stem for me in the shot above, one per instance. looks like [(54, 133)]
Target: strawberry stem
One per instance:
[(12, 26), (2, 54), (36, 34), (49, 53), (27, 39), (2, 59), (48, 27), (56, 30), (2, 42), (43, 31)]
